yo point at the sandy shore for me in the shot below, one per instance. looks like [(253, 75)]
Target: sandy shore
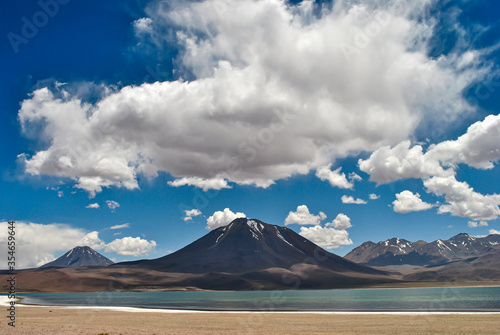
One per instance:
[(60, 320)]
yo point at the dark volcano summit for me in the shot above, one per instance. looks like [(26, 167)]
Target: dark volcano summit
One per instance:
[(79, 256)]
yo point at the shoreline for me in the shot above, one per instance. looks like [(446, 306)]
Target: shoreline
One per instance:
[(181, 311), (131, 309)]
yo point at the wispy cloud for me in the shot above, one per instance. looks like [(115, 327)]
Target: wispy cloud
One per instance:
[(475, 224), (94, 205), (112, 205), (191, 213), (120, 226), (348, 199), (335, 178)]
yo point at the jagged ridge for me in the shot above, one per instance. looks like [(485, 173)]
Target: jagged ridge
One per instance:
[(397, 251)]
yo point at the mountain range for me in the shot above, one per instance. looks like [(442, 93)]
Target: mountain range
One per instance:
[(79, 256), (248, 254), (396, 251), (462, 258)]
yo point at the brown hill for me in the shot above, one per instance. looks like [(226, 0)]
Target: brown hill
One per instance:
[(485, 267)]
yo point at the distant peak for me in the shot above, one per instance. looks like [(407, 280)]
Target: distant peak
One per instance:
[(80, 256), (461, 236)]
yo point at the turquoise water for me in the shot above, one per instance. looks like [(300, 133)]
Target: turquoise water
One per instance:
[(421, 299)]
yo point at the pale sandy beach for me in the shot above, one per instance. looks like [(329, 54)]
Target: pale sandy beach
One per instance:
[(61, 320)]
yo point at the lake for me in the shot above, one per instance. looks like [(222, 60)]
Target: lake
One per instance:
[(455, 299)]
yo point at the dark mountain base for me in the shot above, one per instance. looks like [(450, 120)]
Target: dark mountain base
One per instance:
[(96, 279)]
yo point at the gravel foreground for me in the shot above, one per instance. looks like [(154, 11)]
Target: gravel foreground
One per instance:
[(60, 320)]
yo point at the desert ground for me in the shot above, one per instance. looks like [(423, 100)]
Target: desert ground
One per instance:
[(60, 320)]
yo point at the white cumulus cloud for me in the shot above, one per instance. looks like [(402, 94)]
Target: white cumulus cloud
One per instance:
[(302, 216), (335, 178), (402, 161), (143, 25), (112, 204), (222, 218), (94, 205), (374, 196), (462, 200), (131, 246), (190, 213), (348, 199), (494, 232), (328, 238), (342, 221), (407, 202), (92, 240), (479, 147), (274, 90)]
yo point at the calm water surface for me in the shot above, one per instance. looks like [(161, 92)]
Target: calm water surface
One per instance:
[(420, 299)]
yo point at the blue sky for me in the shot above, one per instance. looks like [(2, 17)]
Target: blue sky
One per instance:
[(168, 106)]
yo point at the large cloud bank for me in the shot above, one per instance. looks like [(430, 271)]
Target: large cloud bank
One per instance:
[(275, 90)]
